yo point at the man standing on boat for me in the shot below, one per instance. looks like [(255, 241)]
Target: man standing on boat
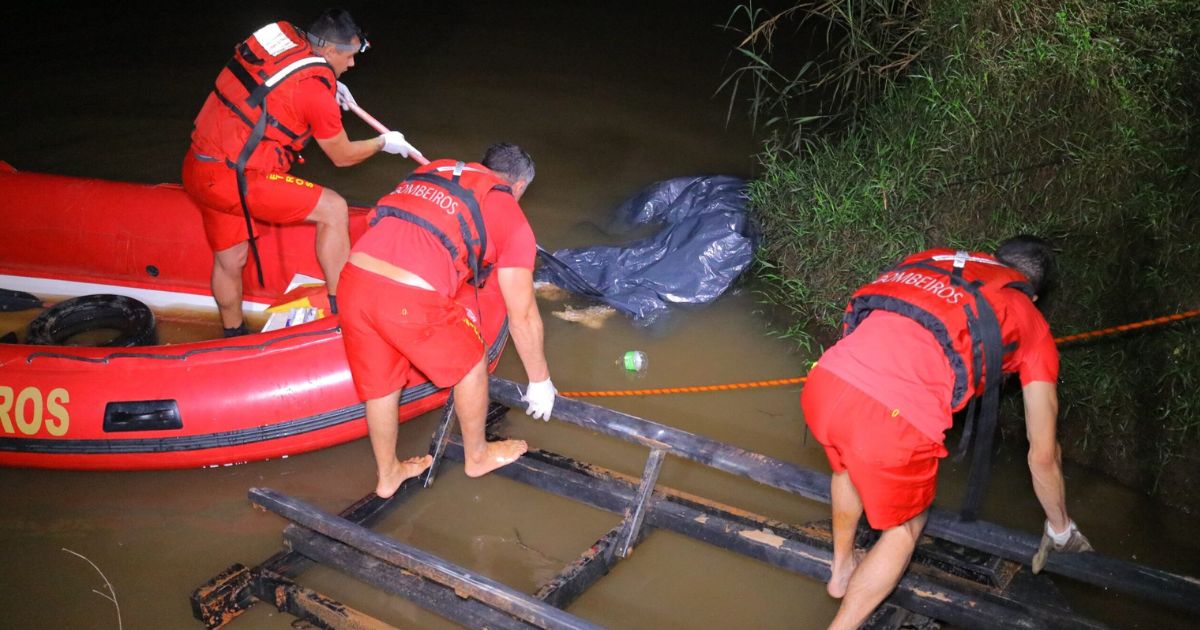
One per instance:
[(919, 342), (280, 89), (443, 232)]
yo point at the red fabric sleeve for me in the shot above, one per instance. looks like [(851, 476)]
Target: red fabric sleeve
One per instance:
[(511, 240), (319, 108), (1036, 356)]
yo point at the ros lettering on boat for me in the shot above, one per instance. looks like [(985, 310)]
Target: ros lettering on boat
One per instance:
[(29, 412)]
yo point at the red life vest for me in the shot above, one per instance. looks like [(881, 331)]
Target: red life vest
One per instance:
[(445, 197), (957, 297), (249, 120)]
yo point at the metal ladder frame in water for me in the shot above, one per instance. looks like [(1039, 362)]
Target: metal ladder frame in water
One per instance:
[(989, 590)]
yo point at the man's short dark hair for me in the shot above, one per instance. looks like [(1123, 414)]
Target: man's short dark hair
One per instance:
[(335, 25), (510, 162), (1031, 256)]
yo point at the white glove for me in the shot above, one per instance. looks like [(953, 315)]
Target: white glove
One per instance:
[(540, 396), (344, 98), (394, 143)]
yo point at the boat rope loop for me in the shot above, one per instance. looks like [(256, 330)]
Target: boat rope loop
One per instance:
[(1157, 321)]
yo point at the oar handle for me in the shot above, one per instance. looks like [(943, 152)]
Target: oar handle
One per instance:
[(378, 126)]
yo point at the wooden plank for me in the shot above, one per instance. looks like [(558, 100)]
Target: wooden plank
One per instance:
[(890, 617), (221, 606), (224, 597), (1154, 585), (464, 581), (309, 605), (731, 459), (801, 550), (365, 511), (431, 596), (634, 517), (438, 444), (584, 571)]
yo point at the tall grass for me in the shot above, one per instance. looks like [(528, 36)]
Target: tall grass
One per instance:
[(856, 50), (962, 122)]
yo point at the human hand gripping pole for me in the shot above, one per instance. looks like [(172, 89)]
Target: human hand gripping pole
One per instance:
[(344, 98), (1070, 541), (540, 397), (393, 141), (392, 144)]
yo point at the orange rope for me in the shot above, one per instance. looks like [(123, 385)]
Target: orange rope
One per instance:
[(689, 390), (800, 379), (1166, 319)]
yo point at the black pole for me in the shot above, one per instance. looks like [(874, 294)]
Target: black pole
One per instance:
[(464, 581), (802, 550), (438, 444), (431, 596), (637, 512), (1154, 585)]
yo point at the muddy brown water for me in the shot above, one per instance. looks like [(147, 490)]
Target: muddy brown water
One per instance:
[(608, 98)]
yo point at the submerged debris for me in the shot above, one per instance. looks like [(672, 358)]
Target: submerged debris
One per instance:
[(548, 291), (591, 316)]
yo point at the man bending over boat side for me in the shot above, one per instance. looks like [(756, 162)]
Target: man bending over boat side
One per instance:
[(280, 89), (919, 342), (443, 232)]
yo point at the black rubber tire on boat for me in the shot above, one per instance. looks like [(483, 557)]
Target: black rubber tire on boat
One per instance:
[(131, 318)]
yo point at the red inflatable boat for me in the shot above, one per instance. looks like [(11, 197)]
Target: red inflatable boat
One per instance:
[(204, 403)]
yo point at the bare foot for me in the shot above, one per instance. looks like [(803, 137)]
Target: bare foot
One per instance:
[(496, 454), (401, 470), (840, 579)]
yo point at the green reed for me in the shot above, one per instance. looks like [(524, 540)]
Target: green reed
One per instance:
[(961, 122)]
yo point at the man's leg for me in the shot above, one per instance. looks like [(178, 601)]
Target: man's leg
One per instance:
[(847, 509), (331, 215), (470, 403), (382, 423), (227, 283), (879, 572)]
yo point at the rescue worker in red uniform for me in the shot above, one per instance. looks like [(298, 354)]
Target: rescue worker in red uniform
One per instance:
[(919, 343), (446, 229), (279, 90)]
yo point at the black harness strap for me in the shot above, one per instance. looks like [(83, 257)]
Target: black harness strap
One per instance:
[(233, 108), (991, 344), (271, 120), (972, 407), (476, 248), (987, 354), (256, 135), (243, 75), (247, 53), (256, 99), (382, 212), (865, 304)]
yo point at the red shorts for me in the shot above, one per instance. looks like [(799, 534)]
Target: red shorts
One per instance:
[(891, 464), (388, 327), (273, 198)]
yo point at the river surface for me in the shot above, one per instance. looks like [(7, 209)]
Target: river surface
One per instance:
[(608, 97)]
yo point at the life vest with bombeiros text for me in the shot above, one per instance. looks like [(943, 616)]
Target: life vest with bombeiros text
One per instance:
[(957, 296), (446, 197), (250, 117)]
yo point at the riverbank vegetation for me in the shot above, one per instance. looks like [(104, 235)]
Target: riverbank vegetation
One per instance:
[(961, 122)]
